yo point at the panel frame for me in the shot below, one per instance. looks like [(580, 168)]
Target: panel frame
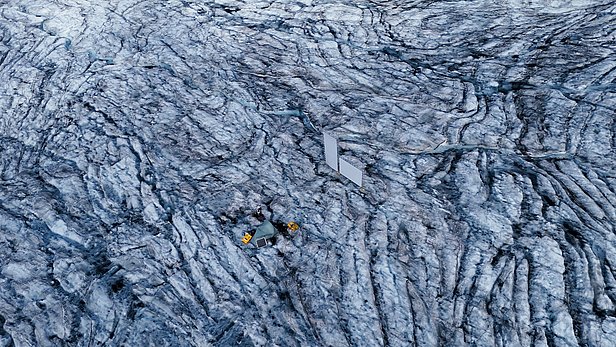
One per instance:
[(351, 172), (330, 145), (261, 242)]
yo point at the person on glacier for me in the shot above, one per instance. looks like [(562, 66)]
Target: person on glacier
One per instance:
[(267, 230)]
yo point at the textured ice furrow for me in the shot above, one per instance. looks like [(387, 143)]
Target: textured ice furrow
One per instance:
[(129, 168)]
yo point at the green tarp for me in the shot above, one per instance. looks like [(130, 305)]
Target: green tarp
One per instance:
[(264, 231)]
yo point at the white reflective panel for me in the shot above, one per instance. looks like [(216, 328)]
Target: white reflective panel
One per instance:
[(331, 151), (351, 172)]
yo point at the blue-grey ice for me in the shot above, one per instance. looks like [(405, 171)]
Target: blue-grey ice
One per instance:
[(137, 138)]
